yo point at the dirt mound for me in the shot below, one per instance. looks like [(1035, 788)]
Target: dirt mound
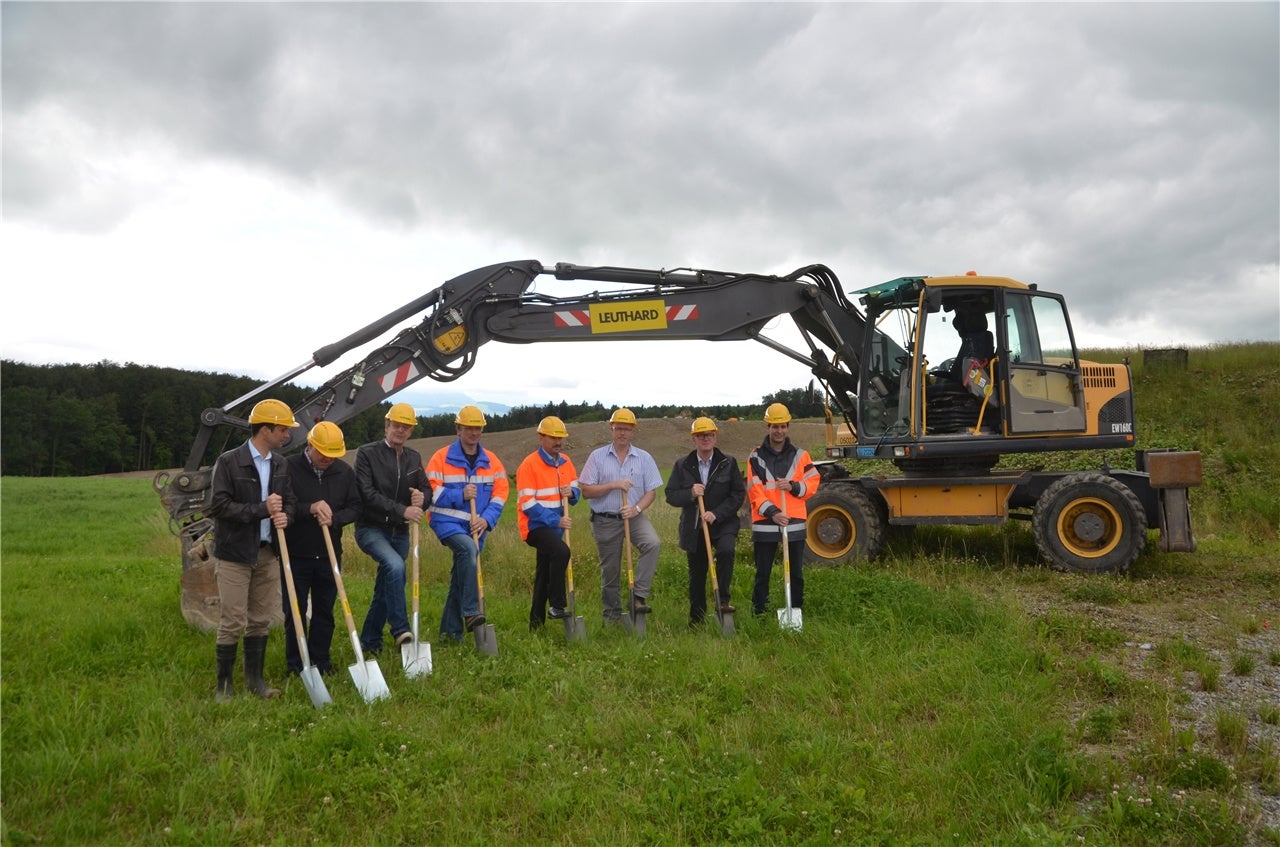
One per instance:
[(666, 438)]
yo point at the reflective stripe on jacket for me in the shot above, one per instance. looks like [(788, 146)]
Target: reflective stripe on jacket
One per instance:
[(538, 482), (449, 472), (790, 463)]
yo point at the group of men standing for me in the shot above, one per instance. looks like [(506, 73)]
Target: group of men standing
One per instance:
[(462, 490)]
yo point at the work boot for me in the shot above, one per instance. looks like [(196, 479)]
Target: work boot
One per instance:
[(226, 654), (255, 654), (640, 607)]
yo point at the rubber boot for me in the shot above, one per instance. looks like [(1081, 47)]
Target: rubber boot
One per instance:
[(226, 654), (255, 654)]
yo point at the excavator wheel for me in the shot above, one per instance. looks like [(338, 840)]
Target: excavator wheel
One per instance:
[(844, 522), (1090, 523)]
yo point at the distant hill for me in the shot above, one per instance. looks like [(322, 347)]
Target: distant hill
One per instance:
[(666, 438)]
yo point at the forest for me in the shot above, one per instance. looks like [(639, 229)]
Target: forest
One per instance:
[(85, 420)]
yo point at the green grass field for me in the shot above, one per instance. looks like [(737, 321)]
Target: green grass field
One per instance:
[(952, 692)]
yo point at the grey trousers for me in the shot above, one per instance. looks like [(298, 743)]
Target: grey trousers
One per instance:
[(609, 535)]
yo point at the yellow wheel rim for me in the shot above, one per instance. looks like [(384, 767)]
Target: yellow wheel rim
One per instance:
[(1090, 527), (832, 532)]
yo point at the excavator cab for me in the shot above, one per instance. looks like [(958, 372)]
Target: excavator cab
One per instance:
[(967, 363)]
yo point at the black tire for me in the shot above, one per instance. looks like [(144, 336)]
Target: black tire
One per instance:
[(843, 523), (1090, 523)]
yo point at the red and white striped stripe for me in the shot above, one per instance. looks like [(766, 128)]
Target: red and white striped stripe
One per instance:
[(574, 317), (394, 379)]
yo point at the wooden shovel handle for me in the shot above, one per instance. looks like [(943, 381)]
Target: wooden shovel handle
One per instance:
[(711, 551), (337, 578), (293, 598)]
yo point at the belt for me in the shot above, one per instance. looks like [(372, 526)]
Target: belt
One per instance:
[(616, 516), (264, 543)]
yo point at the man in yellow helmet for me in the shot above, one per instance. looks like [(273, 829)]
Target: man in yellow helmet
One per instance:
[(780, 478), (461, 475), (715, 477), (327, 501), (252, 500), (392, 490), (610, 472), (544, 480)]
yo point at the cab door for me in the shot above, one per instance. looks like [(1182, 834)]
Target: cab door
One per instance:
[(1044, 390)]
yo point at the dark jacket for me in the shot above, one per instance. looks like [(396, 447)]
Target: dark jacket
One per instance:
[(724, 494), (383, 481), (336, 485), (238, 506)]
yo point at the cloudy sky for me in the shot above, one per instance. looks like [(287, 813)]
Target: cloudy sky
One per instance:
[(228, 187)]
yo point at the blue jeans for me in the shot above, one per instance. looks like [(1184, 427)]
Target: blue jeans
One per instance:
[(463, 599), (389, 550)]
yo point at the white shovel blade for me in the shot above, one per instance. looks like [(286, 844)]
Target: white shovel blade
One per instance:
[(369, 681), (417, 658), (314, 684), (790, 619)]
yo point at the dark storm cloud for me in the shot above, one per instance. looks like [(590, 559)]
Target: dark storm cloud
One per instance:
[(1124, 154)]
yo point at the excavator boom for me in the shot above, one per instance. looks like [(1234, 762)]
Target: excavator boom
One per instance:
[(890, 367)]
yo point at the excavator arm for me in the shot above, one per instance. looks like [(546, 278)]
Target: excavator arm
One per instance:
[(502, 303)]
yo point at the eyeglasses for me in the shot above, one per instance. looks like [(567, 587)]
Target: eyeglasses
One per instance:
[(705, 435)]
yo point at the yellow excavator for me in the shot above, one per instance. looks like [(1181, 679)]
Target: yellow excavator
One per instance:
[(940, 376)]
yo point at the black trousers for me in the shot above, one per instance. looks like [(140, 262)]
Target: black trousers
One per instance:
[(312, 578), (548, 574), (766, 552), (699, 569)]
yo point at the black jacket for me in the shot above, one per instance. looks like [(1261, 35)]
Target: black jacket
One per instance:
[(383, 482), (725, 491), (238, 507), (336, 485)]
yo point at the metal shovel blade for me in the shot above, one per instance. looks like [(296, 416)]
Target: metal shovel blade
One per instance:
[(725, 619), (312, 681), (636, 624), (369, 681), (791, 619), (486, 639), (417, 658), (575, 628)]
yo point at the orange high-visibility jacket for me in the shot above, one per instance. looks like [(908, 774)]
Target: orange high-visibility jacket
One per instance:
[(538, 482), (764, 465)]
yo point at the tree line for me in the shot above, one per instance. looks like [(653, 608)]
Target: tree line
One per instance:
[(84, 420)]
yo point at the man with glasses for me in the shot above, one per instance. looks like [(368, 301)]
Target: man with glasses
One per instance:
[(715, 477), (611, 472), (326, 490)]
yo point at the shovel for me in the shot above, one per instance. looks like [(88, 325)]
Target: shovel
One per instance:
[(635, 623), (725, 619), (416, 655), (575, 629), (364, 673), (486, 638), (310, 674), (788, 618)]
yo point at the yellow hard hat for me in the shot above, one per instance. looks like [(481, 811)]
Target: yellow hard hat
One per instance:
[(327, 438), (623, 416), (552, 426), (777, 414), (403, 413), (272, 412), (703, 425), (469, 416)]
